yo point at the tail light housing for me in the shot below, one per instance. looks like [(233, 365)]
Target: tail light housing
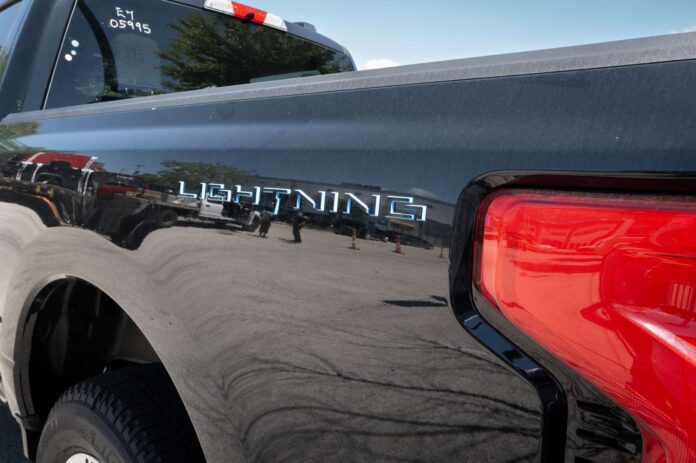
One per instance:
[(246, 13), (607, 284)]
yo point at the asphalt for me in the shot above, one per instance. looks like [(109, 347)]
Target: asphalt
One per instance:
[(10, 439)]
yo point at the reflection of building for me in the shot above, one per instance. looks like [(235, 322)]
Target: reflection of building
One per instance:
[(435, 230)]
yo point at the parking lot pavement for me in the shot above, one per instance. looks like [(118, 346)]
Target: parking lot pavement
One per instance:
[(10, 439)]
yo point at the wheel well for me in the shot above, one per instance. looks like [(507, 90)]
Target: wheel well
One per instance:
[(73, 331)]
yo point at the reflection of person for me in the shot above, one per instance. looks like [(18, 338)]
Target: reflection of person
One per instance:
[(266, 218), (297, 224)]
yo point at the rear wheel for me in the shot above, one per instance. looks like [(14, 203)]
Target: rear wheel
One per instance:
[(167, 218), (129, 415)]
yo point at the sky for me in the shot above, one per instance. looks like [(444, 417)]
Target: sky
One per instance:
[(379, 33)]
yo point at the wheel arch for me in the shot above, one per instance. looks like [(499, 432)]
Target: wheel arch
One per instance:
[(61, 255)]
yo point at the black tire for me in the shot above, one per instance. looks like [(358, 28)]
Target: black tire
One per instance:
[(167, 219), (125, 416)]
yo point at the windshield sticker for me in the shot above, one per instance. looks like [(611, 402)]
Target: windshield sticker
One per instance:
[(125, 19)]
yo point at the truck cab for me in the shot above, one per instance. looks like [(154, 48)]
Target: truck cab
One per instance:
[(64, 53)]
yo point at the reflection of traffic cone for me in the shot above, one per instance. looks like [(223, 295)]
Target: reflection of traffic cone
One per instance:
[(354, 246), (398, 245)]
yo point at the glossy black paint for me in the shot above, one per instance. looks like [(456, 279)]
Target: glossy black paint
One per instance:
[(552, 395), (445, 409), (285, 351)]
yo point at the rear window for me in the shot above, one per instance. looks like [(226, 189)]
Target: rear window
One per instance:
[(135, 48)]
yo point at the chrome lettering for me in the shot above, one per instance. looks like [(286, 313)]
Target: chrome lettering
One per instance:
[(399, 207)]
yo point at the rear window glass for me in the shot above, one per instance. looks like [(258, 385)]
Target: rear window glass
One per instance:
[(138, 48)]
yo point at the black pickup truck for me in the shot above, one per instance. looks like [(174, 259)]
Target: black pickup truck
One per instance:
[(485, 260)]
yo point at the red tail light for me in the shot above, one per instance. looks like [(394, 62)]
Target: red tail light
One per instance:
[(607, 283), (246, 13)]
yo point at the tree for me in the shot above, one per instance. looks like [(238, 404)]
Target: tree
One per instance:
[(195, 173), (10, 136), (215, 51)]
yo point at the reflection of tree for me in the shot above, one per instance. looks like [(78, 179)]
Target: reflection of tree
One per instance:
[(5, 156), (3, 59), (217, 51), (195, 173), (357, 213), (9, 135)]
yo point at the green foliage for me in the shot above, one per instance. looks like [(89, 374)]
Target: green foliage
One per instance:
[(10, 135), (15, 131), (195, 173), (215, 51), (5, 156), (3, 60), (358, 214), (151, 179)]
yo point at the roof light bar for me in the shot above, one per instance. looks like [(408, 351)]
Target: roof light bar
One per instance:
[(246, 13)]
